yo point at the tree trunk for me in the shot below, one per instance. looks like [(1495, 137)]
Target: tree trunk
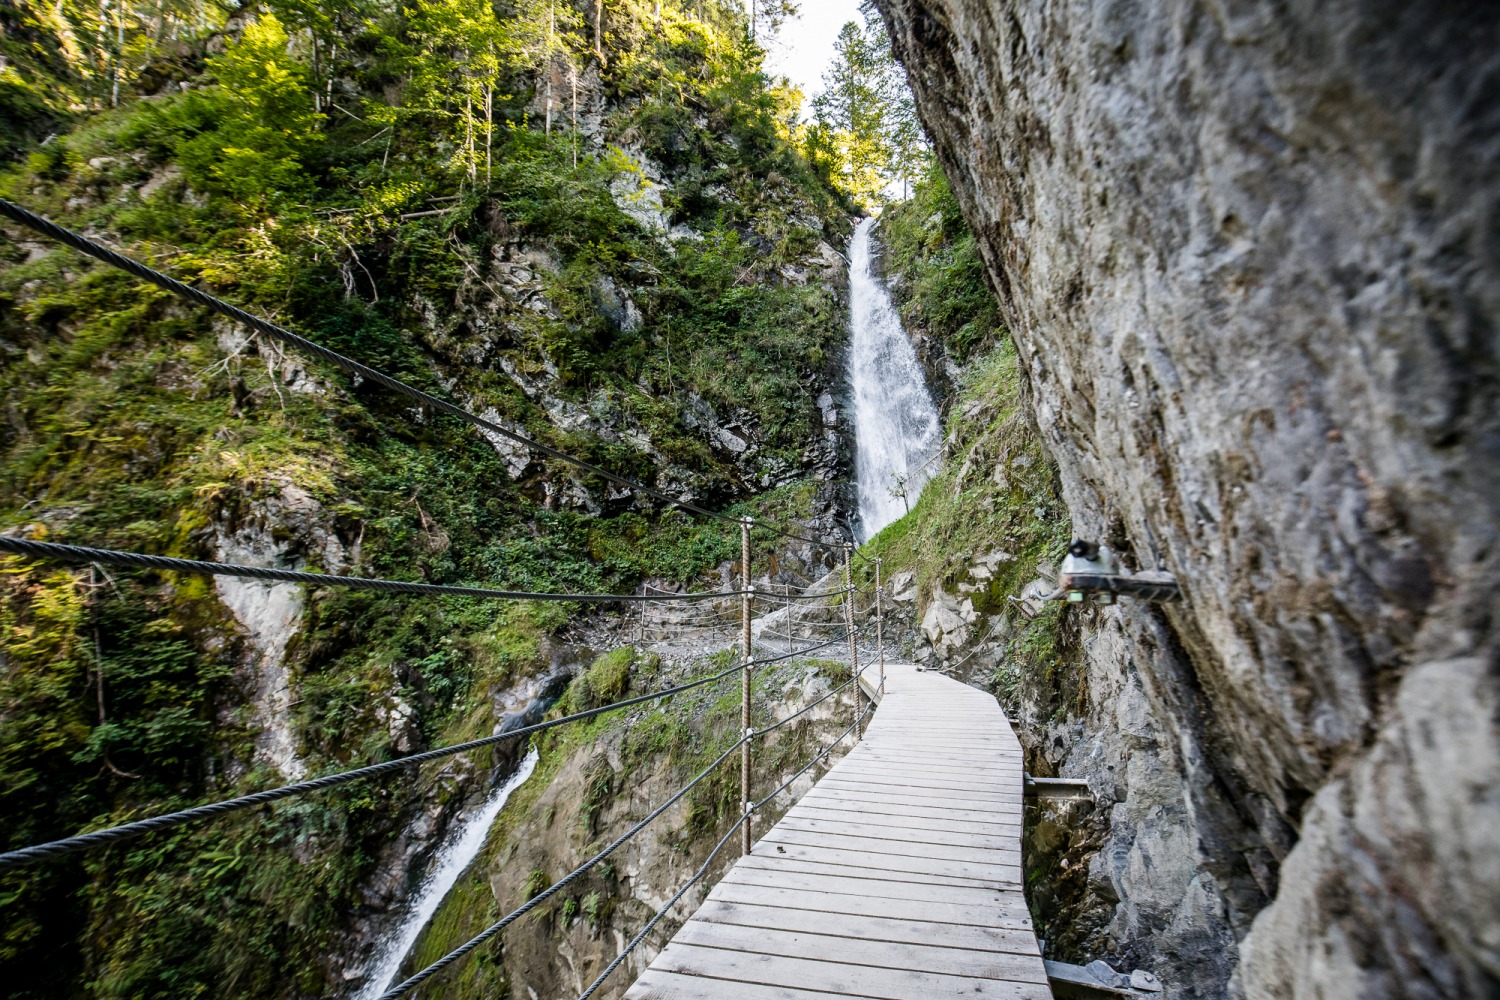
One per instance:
[(469, 133), (551, 35)]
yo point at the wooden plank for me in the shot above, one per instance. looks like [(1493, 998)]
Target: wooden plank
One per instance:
[(894, 802), (937, 762), (997, 939), (839, 979), (899, 834), (876, 845), (957, 744), (903, 755), (786, 862), (1009, 912), (995, 827), (985, 758), (827, 798), (957, 796), (932, 777), (931, 786), (882, 888), (938, 765), (943, 733), (857, 951), (655, 984), (928, 780), (828, 854)]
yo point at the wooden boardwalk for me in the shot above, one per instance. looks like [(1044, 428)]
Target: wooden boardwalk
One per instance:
[(897, 877)]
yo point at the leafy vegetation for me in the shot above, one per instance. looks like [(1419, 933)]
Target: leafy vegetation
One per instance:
[(944, 291), (361, 173)]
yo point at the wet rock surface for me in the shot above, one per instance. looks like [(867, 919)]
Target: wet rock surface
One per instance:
[(1247, 256)]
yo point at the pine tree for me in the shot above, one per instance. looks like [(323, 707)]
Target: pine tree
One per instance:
[(866, 111), (852, 108)]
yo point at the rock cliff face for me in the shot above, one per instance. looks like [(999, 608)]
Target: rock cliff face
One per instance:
[(1247, 254)]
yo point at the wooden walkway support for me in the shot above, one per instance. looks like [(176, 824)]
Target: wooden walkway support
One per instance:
[(897, 877)]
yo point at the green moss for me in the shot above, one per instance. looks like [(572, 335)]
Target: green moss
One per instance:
[(609, 675)]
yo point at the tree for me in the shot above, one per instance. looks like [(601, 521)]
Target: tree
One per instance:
[(767, 17), (907, 148), (266, 127), (852, 109), (451, 54), (536, 35), (866, 111)]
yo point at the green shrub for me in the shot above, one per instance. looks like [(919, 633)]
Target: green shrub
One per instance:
[(535, 883)]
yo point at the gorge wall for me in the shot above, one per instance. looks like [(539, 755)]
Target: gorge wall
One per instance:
[(1247, 256), (647, 280)]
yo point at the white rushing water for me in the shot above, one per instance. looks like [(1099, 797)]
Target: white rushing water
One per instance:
[(896, 429), (464, 842)]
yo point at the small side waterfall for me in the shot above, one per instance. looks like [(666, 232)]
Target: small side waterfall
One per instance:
[(896, 428), (463, 844)]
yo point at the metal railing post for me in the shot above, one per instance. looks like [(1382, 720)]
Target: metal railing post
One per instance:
[(849, 626), (790, 635), (879, 624), (745, 684)]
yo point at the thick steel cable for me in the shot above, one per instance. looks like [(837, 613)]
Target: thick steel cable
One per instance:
[(797, 653), (656, 918), (566, 880), (115, 557), (804, 709), (697, 875), (772, 633), (759, 594), (556, 887), (810, 764), (128, 831), (843, 635), (115, 259)]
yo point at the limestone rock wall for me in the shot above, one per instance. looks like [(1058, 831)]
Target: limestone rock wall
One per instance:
[(1248, 252)]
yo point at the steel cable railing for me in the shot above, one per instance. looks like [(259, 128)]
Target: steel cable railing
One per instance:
[(844, 595), (491, 931), (703, 868), (114, 557), (128, 831)]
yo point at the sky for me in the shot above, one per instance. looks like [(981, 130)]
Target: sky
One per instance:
[(805, 46)]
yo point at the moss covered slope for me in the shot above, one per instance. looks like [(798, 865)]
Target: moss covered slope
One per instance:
[(647, 285)]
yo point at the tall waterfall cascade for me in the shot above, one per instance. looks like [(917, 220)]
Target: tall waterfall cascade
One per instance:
[(896, 427), (460, 849)]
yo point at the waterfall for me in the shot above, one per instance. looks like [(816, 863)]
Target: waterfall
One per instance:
[(463, 844), (896, 429)]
